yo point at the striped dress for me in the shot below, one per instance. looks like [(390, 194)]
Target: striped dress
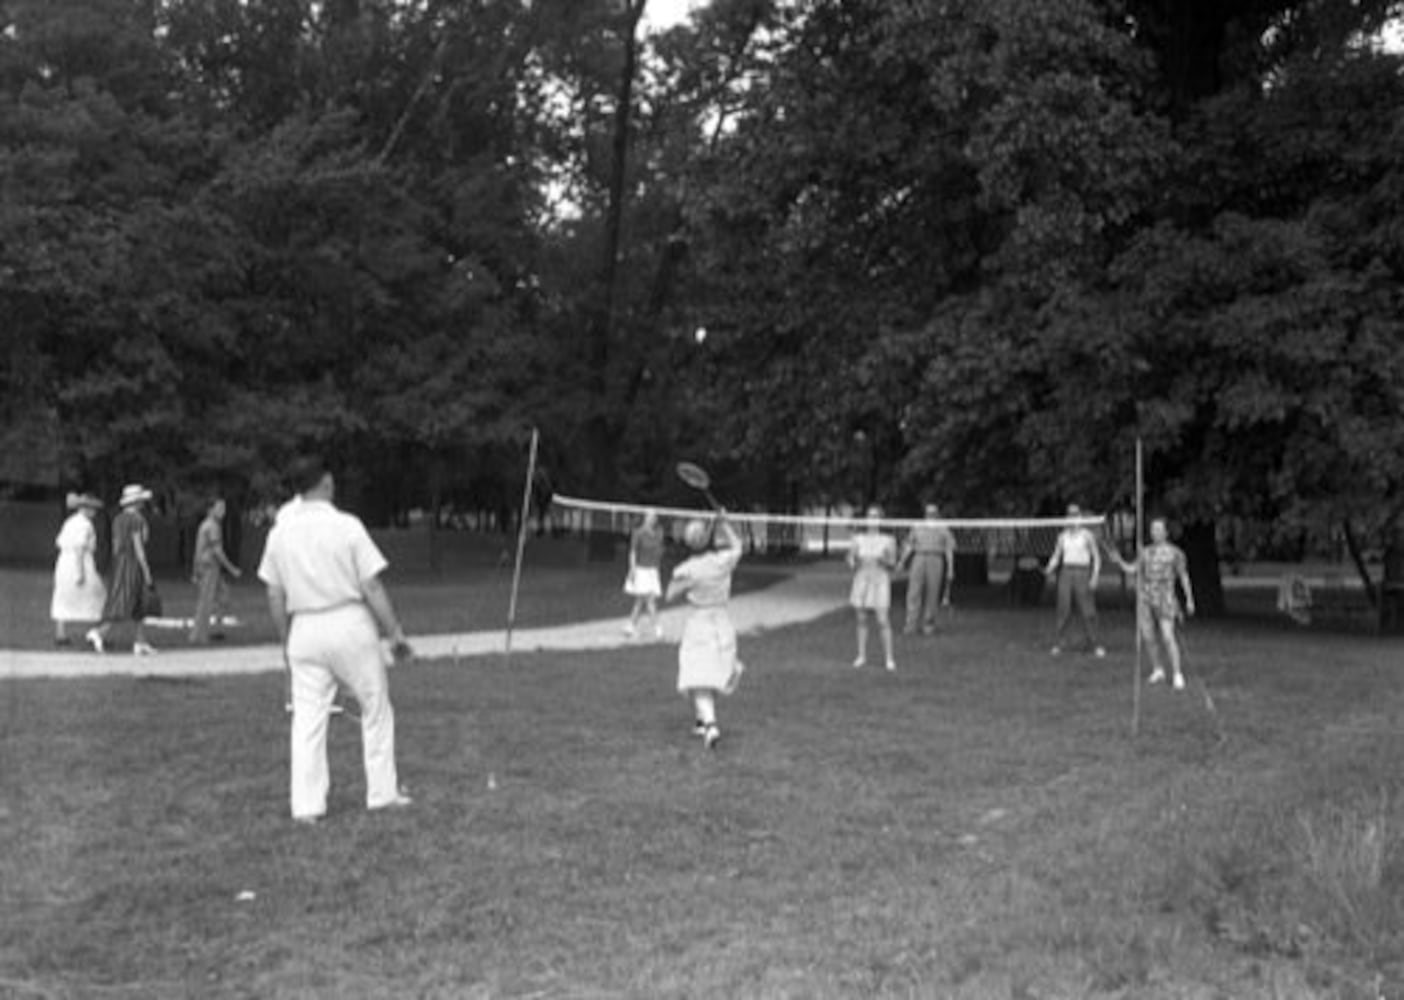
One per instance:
[(124, 593)]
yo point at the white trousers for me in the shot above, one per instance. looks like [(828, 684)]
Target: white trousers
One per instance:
[(324, 648)]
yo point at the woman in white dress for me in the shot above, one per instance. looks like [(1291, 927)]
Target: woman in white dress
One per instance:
[(707, 661), (643, 583), (873, 557), (78, 590)]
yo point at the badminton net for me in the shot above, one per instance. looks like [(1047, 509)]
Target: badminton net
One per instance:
[(1015, 541)]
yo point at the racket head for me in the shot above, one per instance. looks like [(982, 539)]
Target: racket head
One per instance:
[(694, 475)]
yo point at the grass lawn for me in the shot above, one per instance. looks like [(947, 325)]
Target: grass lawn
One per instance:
[(979, 824)]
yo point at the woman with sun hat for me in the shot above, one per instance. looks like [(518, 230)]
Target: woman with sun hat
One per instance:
[(78, 591), (127, 598)]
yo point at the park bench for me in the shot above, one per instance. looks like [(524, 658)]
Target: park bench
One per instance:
[(1335, 601)]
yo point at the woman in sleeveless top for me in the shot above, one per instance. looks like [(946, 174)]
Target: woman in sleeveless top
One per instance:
[(873, 556)]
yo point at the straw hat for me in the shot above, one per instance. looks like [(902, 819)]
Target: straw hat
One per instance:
[(76, 501), (133, 493)]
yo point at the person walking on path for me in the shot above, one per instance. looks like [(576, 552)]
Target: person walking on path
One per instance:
[(643, 583), (1078, 563), (131, 593), (873, 556), (707, 661), (1161, 565), (322, 572), (931, 548), (207, 573), (79, 594)]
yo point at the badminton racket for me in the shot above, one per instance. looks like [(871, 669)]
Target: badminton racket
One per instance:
[(696, 477)]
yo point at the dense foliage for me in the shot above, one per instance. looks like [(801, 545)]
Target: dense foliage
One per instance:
[(972, 249)]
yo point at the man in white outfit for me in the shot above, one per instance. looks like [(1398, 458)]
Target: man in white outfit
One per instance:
[(322, 571)]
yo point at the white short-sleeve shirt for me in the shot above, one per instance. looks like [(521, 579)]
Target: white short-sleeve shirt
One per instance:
[(319, 556)]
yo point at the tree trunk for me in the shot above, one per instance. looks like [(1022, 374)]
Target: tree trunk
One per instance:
[(436, 507), (1202, 550), (1358, 557), (602, 431)]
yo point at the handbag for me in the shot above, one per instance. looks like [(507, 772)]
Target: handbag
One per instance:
[(150, 605)]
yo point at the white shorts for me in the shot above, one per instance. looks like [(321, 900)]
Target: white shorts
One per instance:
[(643, 581)]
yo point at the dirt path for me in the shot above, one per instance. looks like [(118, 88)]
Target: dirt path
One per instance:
[(807, 595)]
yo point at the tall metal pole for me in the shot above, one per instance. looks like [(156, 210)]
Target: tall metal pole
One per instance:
[(1136, 681), (521, 539)]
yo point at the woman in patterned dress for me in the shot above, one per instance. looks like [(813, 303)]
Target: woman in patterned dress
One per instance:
[(1161, 565), (707, 661), (78, 591), (873, 556), (131, 573)]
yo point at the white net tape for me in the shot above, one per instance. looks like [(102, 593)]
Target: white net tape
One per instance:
[(995, 537)]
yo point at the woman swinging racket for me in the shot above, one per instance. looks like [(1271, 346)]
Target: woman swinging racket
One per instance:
[(707, 660)]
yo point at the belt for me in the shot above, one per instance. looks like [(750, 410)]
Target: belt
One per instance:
[(329, 608)]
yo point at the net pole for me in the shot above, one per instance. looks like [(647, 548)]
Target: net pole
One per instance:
[(1136, 679), (521, 541)]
